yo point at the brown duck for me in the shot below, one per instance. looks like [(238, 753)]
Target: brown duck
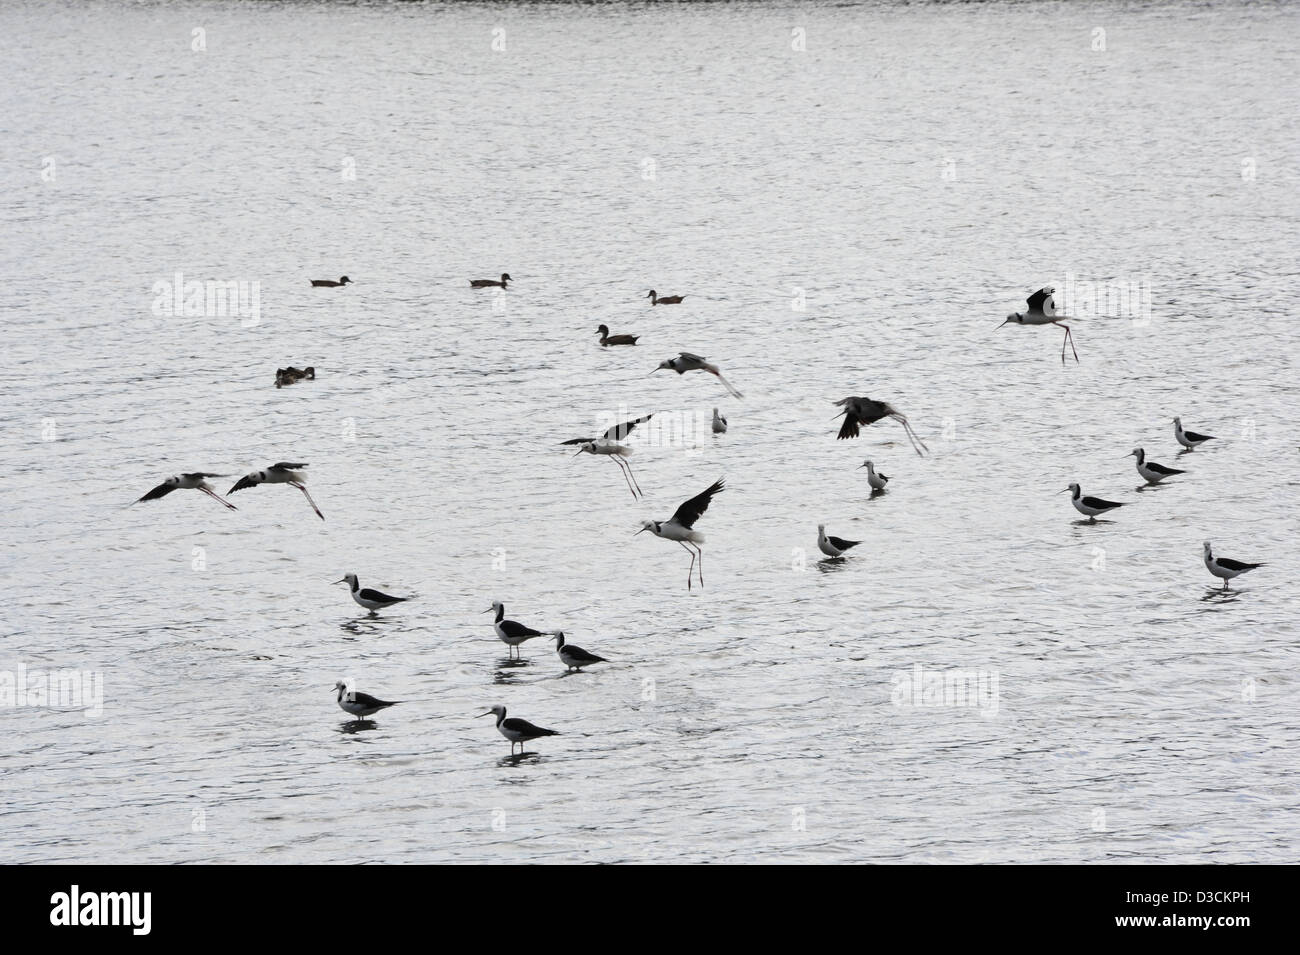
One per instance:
[(607, 339), (664, 300), (490, 283), (287, 376), (327, 283)]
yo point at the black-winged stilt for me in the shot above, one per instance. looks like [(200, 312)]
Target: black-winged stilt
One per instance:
[(516, 730), (491, 283), (615, 452), (511, 632), (1151, 472), (1222, 567), (1042, 311), (195, 480), (615, 432), (607, 339), (1189, 439), (372, 600), (664, 299), (833, 546), (1089, 507), (719, 423), (330, 283), (685, 362), (680, 526), (864, 411), (360, 704), (874, 477), (575, 658), (282, 473)]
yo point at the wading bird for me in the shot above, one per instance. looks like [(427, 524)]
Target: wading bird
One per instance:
[(607, 339), (491, 283), (372, 600), (685, 362), (615, 452), (864, 411), (1042, 311), (1189, 439), (719, 423), (575, 658), (360, 704), (516, 730), (833, 546), (1089, 507), (511, 632), (1222, 567), (874, 478), (665, 300), (680, 526), (192, 481), (282, 473), (1151, 472)]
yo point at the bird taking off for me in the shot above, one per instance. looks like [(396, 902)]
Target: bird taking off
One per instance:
[(863, 411), (1042, 311)]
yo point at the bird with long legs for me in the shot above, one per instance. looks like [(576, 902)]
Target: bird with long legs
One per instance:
[(1190, 440), (875, 479), (1151, 472), (359, 704), (282, 473), (615, 452), (194, 480), (371, 600), (574, 658), (1042, 311), (1222, 567), (859, 412), (1089, 507), (685, 362), (516, 730), (681, 527), (833, 547), (511, 632)]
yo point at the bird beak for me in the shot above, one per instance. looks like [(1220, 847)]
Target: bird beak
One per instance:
[(343, 581), (578, 452), (1062, 490), (651, 373), (488, 713), (1004, 321), (638, 532), (489, 610)]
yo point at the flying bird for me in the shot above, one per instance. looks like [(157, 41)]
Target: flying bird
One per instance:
[(864, 411), (680, 527), (282, 473), (615, 452), (195, 480), (1042, 311), (685, 362)]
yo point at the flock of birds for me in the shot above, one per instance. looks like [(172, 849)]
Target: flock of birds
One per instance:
[(858, 412)]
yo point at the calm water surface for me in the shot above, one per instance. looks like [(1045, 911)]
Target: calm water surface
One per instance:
[(908, 177)]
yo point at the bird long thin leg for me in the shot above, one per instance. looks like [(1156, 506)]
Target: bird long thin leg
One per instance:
[(303, 488), (700, 551), (218, 497), (1068, 338), (624, 473), (917, 443), (634, 480), (691, 569)]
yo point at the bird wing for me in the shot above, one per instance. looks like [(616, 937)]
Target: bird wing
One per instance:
[(162, 490), (367, 594), (840, 544), (578, 653), (513, 628), (1041, 301), (849, 429), (1161, 469), (1193, 436), (619, 431), (1098, 502), (1235, 564), (286, 466), (691, 510), (516, 725), (365, 699), (243, 482), (687, 355), (577, 441)]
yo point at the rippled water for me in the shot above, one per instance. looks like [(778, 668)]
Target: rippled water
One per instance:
[(908, 177)]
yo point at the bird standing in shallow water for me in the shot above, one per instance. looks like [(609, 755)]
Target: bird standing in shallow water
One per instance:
[(680, 526), (360, 705), (1151, 472), (516, 730), (874, 478), (1089, 507), (371, 600), (864, 411), (511, 632), (282, 473), (1189, 439), (606, 339), (833, 546), (1222, 567), (575, 658), (1042, 311), (685, 362), (191, 481), (719, 423)]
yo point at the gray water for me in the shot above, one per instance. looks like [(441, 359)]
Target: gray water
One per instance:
[(850, 218)]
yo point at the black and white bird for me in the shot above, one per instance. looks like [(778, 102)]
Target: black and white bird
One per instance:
[(575, 658), (511, 632), (372, 600), (664, 299), (1222, 567), (282, 473), (719, 423), (491, 283), (1089, 507), (615, 432), (615, 452), (360, 704), (680, 527), (1042, 311), (516, 730), (330, 283), (864, 411), (195, 480), (875, 478), (685, 362), (606, 339), (833, 546), (1189, 439), (1151, 472)]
